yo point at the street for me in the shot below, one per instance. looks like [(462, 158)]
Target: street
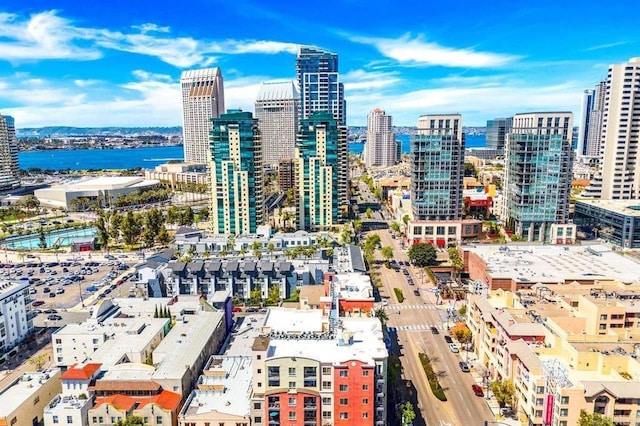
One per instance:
[(411, 322)]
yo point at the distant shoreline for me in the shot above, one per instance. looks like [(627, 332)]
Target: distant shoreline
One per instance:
[(98, 148)]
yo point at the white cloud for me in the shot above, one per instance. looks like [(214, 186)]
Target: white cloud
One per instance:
[(408, 50), (46, 35), (364, 80)]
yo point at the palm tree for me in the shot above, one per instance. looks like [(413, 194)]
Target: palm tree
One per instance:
[(387, 253), (382, 316)]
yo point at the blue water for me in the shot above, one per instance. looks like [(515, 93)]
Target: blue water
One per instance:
[(60, 238), (83, 159), (471, 141)]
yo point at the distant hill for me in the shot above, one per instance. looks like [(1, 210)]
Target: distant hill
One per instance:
[(62, 131)]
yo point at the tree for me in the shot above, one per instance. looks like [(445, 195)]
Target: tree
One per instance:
[(470, 170), (163, 236), (462, 334), (38, 361), (406, 220), (593, 419), (422, 254), (255, 296), (103, 233), (42, 238), (274, 295), (130, 421), (130, 229), (407, 413), (395, 227), (271, 247), (456, 260), (387, 253), (463, 310), (187, 216), (368, 213), (114, 228), (504, 391), (381, 315)]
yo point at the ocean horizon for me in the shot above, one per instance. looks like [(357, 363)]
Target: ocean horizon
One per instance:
[(148, 157)]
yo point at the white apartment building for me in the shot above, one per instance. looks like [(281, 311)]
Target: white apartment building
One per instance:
[(277, 107), (380, 148), (618, 178), (15, 314), (73, 404), (202, 100)]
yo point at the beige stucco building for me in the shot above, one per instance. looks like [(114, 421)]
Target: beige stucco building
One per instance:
[(24, 400)]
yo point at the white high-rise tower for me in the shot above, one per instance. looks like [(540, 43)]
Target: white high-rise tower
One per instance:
[(619, 175), (277, 107), (202, 100), (380, 149), (9, 175)]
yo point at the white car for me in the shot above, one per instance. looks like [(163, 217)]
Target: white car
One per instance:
[(385, 302), (454, 348)]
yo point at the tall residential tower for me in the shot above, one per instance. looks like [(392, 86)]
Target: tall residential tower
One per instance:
[(277, 108), (619, 175), (319, 83), (320, 184), (381, 148), (538, 170), (237, 198), (437, 160), (9, 173), (590, 129), (497, 129), (202, 100)]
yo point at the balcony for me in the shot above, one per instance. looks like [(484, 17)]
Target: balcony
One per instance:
[(313, 406)]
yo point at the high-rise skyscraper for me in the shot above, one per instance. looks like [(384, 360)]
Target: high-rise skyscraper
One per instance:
[(496, 131), (619, 174), (202, 100), (319, 83), (9, 173), (590, 129), (277, 109), (380, 148), (320, 184), (437, 160), (237, 197), (538, 170)]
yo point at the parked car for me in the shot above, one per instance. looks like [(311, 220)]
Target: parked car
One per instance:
[(54, 317), (52, 295), (50, 311), (464, 367), (454, 348), (38, 302), (236, 309), (252, 309), (477, 390), (434, 330), (448, 339), (384, 302)]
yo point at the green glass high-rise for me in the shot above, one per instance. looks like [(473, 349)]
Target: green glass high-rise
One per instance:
[(235, 170), (320, 152)]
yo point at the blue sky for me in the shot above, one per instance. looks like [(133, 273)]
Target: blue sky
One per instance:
[(118, 63)]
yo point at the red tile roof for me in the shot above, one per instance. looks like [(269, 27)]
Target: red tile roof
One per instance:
[(167, 400), (85, 372), (120, 402)]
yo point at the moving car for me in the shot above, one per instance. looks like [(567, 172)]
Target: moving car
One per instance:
[(416, 292), (464, 367), (477, 390), (54, 317), (434, 330)]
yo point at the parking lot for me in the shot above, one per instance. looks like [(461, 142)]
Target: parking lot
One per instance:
[(58, 286)]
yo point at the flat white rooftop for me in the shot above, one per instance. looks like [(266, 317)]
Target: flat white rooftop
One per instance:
[(354, 286), (224, 386), (183, 344), (625, 207), (550, 263), (147, 308), (21, 390)]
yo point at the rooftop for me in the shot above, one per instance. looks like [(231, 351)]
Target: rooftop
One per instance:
[(23, 388), (624, 207), (224, 386), (354, 286), (183, 344), (80, 372), (277, 90), (556, 264)]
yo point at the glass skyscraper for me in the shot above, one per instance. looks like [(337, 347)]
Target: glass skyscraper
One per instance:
[(437, 160), (496, 131), (235, 167), (319, 158), (538, 170), (319, 83)]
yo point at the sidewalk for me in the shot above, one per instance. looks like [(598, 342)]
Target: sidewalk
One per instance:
[(477, 370)]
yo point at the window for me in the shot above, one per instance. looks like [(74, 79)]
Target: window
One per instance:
[(365, 415), (344, 373), (344, 416), (326, 384), (292, 415), (564, 412), (259, 370), (344, 388), (69, 419), (326, 370), (326, 401), (95, 420), (365, 401), (365, 387), (452, 230), (603, 326), (539, 389), (292, 371), (257, 405), (258, 356), (159, 420), (257, 419), (344, 401), (365, 373), (292, 385), (603, 317), (292, 401), (440, 230), (55, 419), (326, 415)]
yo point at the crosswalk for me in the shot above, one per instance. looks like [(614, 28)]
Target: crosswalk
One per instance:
[(415, 327), (401, 307)]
